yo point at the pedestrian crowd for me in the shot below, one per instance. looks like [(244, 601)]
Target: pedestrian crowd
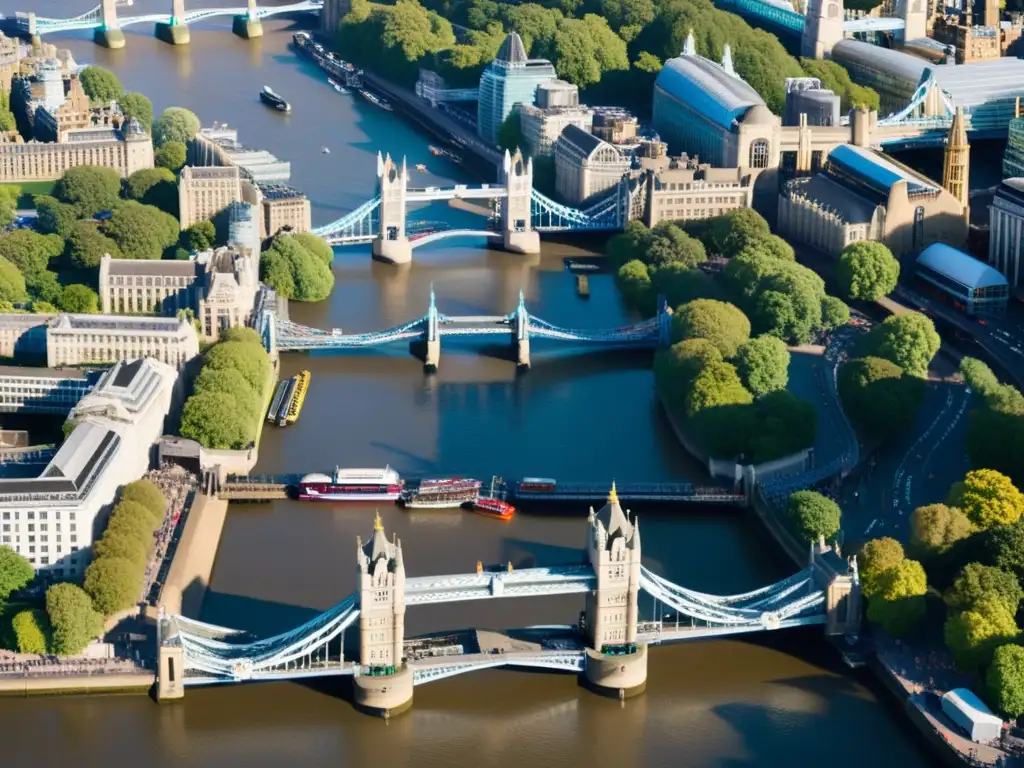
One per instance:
[(12, 664), (178, 486)]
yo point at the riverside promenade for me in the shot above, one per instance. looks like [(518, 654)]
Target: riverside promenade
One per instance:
[(189, 575)]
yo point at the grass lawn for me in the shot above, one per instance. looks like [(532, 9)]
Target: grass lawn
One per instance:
[(30, 188)]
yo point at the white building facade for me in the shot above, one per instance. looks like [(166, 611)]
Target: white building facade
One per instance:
[(84, 339), (1006, 230)]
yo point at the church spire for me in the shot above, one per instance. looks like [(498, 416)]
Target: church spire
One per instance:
[(727, 60), (956, 161), (690, 47)]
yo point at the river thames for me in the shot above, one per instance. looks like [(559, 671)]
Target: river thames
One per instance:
[(780, 700)]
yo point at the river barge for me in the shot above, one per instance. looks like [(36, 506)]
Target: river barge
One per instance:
[(351, 485), (376, 100), (496, 508), (341, 71), (279, 401), (446, 493)]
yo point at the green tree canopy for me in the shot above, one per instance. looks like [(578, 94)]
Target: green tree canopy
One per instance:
[(100, 85), (898, 604), (834, 313), (170, 155), (978, 376), (241, 334), (634, 281), (199, 237), (9, 195), (679, 284), (175, 124), (935, 528), (909, 341), (772, 247), (295, 272), (248, 359), (141, 231), (814, 515), (972, 636), (717, 385), (30, 251), (778, 424), (44, 308), (231, 381), (79, 299), (216, 420), (86, 245), (30, 630), (89, 188), (113, 583), (15, 572), (54, 217), (153, 186), (878, 397), (876, 557), (138, 106), (73, 619), (733, 232), (146, 493), (995, 432), (12, 284), (977, 581), (123, 546), (676, 368), (867, 270), (510, 133), (44, 286), (988, 498), (1004, 547), (668, 244), (315, 245), (763, 364), (724, 325), (1004, 681), (835, 77), (628, 245)]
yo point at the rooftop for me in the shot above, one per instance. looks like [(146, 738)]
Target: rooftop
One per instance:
[(876, 170), (587, 142), (830, 194), (707, 88), (31, 372), (124, 323), (157, 267), (211, 172), (79, 458), (271, 191), (512, 50), (959, 266)]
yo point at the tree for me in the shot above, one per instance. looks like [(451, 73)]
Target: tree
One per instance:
[(120, 545), (835, 77), (1005, 680), (9, 195), (977, 581), (54, 217), (909, 341), (248, 359), (935, 528), (294, 272), (199, 237), (29, 251), (763, 364), (717, 385), (89, 188), (729, 234), (141, 231), (153, 186), (510, 134), (899, 604), (171, 156), (867, 270), (113, 584), (628, 17), (15, 572), (231, 381), (1004, 547), (100, 85), (722, 324), (978, 376), (241, 334), (972, 636), (634, 281), (573, 53), (676, 368), (12, 284), (670, 245), (876, 557), (44, 286), (79, 299), (86, 246), (680, 284), (175, 124), (138, 106), (315, 245), (834, 313), (628, 245), (814, 515), (30, 630), (73, 619), (44, 308), (146, 492), (988, 498), (216, 420), (879, 399)]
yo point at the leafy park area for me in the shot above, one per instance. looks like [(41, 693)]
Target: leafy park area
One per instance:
[(229, 399), (962, 568), (726, 373), (68, 618), (613, 48), (298, 266)]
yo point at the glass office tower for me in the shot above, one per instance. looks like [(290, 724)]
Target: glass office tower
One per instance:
[(510, 79)]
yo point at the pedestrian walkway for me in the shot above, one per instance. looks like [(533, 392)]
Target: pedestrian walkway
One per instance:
[(179, 488)]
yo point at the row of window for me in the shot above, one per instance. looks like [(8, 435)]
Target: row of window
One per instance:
[(31, 515), (31, 527), (151, 282)]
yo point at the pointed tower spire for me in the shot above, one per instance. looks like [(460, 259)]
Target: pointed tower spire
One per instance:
[(522, 299), (956, 161), (613, 495), (378, 524), (727, 60), (433, 302), (690, 47)]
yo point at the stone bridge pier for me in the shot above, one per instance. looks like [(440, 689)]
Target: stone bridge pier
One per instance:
[(175, 31), (837, 577), (110, 34), (433, 352), (247, 25)]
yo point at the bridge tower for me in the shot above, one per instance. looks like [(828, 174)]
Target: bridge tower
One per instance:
[(248, 25), (170, 681), (385, 683), (518, 234), (433, 356), (664, 323), (110, 34), (175, 30), (915, 15), (391, 243), (823, 28), (838, 578), (522, 339), (615, 664)]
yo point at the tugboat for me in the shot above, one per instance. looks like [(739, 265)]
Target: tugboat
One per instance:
[(271, 99), (496, 508)]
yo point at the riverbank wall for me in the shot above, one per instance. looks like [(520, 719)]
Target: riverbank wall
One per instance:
[(189, 575), (139, 682)]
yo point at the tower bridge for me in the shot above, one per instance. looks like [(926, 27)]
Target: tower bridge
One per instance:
[(520, 326), (609, 647)]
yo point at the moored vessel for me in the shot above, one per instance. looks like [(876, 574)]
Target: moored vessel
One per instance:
[(495, 508), (294, 408), (447, 493), (375, 100), (271, 99), (351, 485), (279, 403)]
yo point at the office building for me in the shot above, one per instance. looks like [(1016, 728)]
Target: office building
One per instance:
[(205, 192), (1013, 156), (864, 195), (1006, 230), (97, 339), (542, 127), (555, 94), (284, 208), (219, 146), (512, 78), (53, 519), (25, 389), (684, 191), (614, 125), (585, 166), (126, 149)]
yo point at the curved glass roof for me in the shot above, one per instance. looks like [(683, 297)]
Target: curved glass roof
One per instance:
[(706, 87), (877, 171), (958, 266), (910, 68)]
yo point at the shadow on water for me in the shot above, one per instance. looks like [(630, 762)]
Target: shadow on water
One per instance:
[(263, 618), (523, 553)]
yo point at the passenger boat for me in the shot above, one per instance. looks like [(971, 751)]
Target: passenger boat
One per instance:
[(445, 153), (495, 508), (448, 493), (279, 402), (351, 485), (271, 99), (301, 380), (375, 100)]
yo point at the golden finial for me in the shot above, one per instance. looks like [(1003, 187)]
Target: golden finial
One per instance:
[(378, 524), (613, 496), (510, 566)]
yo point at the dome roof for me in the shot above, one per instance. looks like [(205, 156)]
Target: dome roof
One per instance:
[(704, 86), (758, 114)]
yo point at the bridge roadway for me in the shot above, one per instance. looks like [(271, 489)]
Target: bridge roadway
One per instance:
[(526, 582)]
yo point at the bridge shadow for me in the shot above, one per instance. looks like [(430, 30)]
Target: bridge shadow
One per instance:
[(261, 618), (414, 461), (524, 553)]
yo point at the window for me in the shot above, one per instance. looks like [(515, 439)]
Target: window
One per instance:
[(759, 153), (919, 227)]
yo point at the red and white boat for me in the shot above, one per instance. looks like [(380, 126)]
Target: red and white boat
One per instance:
[(496, 508), (352, 485)]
